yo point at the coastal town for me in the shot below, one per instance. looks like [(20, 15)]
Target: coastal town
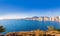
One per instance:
[(45, 18), (29, 17), (51, 31)]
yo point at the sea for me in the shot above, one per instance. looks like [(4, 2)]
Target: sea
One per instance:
[(17, 25)]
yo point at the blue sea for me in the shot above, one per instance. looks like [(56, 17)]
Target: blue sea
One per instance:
[(27, 25)]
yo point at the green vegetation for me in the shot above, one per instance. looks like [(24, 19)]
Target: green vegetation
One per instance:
[(57, 29), (52, 28), (2, 29)]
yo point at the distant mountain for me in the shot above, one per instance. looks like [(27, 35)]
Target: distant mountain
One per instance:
[(35, 17)]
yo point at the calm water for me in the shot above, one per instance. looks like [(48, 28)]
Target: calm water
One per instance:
[(27, 25)]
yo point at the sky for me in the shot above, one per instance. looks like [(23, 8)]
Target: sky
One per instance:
[(29, 8)]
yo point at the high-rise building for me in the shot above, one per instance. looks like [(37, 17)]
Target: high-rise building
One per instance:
[(46, 18), (56, 18), (41, 18)]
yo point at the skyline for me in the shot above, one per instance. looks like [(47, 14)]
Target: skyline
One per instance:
[(29, 8), (33, 17)]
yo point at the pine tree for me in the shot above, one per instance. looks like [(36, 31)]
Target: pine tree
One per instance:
[(2, 29)]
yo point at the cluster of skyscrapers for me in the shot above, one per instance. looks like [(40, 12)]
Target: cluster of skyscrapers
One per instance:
[(45, 18)]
